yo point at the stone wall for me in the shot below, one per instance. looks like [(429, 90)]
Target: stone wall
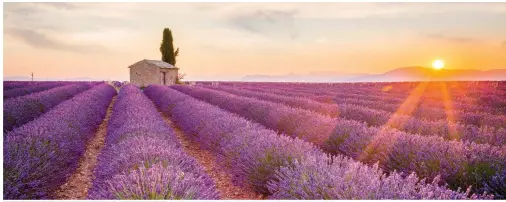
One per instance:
[(171, 76), (144, 74)]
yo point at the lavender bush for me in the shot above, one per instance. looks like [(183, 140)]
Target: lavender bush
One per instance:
[(251, 150), (161, 159), (40, 155), (373, 117), (355, 92), (281, 118), (32, 89), (8, 85), (394, 150), (159, 182), (21, 110), (142, 158), (260, 158), (324, 177)]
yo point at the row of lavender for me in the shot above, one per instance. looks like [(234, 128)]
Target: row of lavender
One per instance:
[(9, 85), (382, 93), (462, 113), (142, 158), (378, 118), (461, 164), (462, 87), (21, 110), (430, 97), (434, 91), (325, 96), (16, 84), (19, 88), (465, 91), (282, 167), (31, 89), (423, 112), (40, 155)]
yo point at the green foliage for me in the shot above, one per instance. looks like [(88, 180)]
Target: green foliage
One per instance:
[(336, 142), (9, 118), (167, 48), (269, 162), (476, 173)]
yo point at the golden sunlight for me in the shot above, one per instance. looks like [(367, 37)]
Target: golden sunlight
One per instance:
[(438, 64)]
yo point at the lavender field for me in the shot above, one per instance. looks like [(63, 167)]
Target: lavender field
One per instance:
[(255, 140)]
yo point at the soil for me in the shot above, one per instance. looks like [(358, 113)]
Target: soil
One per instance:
[(219, 174), (80, 181)]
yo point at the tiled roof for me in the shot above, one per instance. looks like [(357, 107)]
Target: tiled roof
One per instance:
[(161, 64), (157, 63)]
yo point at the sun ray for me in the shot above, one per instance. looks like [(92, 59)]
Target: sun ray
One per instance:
[(406, 108), (450, 117)]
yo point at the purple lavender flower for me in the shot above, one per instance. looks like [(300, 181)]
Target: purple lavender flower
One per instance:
[(260, 158), (33, 89), (21, 110), (376, 117), (142, 158), (428, 156), (40, 155), (324, 177), (157, 181)]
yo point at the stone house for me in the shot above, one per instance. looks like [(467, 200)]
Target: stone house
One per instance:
[(147, 72)]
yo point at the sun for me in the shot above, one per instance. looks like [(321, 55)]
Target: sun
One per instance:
[(438, 64)]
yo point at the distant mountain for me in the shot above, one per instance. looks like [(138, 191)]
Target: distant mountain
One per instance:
[(82, 79), (17, 78), (311, 77), (426, 74), (414, 73)]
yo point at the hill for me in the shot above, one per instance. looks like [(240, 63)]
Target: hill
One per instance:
[(417, 73), (413, 73)]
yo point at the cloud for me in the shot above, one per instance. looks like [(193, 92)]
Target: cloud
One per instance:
[(451, 38), (19, 9), (58, 5), (273, 23), (361, 10), (65, 17), (40, 40), (207, 6)]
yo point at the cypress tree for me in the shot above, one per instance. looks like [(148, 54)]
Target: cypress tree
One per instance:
[(167, 47)]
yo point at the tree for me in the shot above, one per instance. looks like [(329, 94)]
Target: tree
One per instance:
[(167, 48), (179, 78)]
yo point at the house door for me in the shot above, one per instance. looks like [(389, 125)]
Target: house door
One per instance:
[(164, 80)]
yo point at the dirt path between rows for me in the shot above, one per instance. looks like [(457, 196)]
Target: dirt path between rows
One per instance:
[(208, 162), (80, 181)]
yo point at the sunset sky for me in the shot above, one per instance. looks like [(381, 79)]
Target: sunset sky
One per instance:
[(225, 41)]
